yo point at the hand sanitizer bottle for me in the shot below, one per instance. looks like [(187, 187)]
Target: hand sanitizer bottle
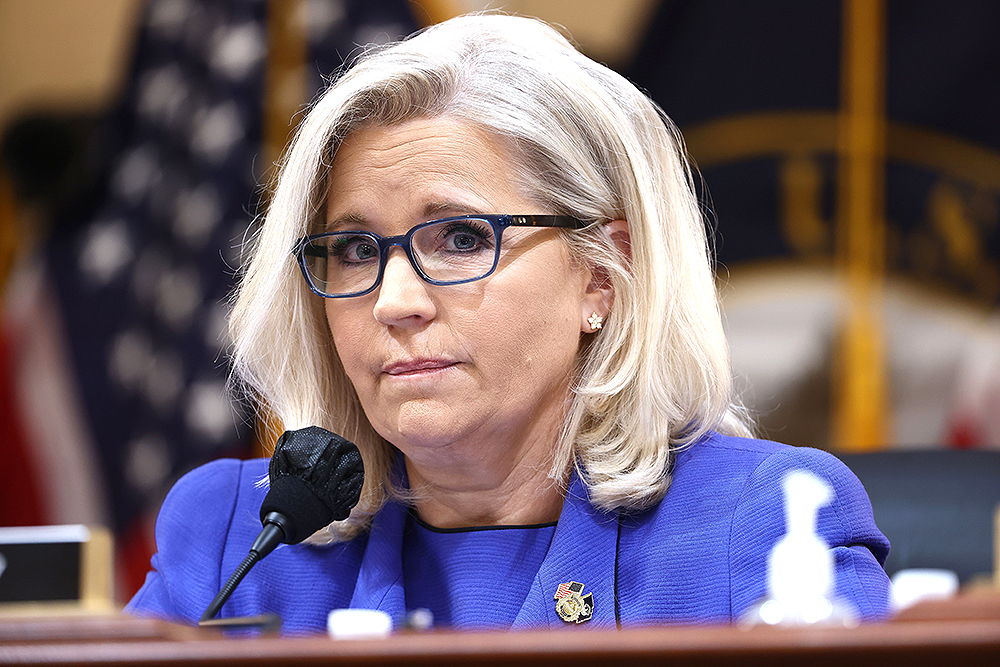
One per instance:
[(800, 569)]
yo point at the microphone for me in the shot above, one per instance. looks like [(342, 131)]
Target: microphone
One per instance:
[(316, 478)]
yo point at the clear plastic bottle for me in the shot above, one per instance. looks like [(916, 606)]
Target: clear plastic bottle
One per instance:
[(800, 568)]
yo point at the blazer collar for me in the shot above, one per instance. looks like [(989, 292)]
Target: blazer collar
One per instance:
[(582, 550)]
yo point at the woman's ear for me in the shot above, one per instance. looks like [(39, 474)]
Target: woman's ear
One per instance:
[(618, 231), (597, 302)]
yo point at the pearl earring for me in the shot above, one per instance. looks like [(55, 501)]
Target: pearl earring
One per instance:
[(595, 321)]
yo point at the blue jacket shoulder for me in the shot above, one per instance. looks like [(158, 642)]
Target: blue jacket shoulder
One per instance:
[(204, 530), (710, 537)]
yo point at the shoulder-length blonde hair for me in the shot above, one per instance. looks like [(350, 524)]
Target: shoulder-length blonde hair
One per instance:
[(585, 143)]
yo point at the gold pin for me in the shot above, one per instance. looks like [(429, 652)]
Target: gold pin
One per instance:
[(571, 606)]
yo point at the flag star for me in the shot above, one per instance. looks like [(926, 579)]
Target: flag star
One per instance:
[(237, 50), (320, 17), (209, 411), (106, 252), (199, 211), (163, 94), (216, 131), (131, 359), (147, 463), (178, 297), (168, 17), (136, 174)]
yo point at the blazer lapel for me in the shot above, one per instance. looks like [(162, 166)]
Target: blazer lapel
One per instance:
[(380, 578), (582, 551)]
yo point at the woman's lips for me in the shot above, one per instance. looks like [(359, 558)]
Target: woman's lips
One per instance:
[(417, 366)]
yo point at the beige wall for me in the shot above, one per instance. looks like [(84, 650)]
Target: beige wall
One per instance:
[(74, 53), (606, 29), (62, 53)]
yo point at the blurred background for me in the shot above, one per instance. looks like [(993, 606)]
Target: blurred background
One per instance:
[(849, 158)]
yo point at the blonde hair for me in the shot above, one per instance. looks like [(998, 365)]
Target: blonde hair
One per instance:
[(586, 143)]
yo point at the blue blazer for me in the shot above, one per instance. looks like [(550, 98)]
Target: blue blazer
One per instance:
[(698, 556)]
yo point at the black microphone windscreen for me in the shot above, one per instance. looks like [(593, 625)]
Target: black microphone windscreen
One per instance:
[(316, 478)]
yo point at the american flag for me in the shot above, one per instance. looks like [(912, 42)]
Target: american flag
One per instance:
[(142, 280), (569, 587)]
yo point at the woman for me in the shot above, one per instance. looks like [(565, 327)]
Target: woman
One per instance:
[(508, 305)]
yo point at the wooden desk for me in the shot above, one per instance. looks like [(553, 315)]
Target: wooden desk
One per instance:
[(934, 635)]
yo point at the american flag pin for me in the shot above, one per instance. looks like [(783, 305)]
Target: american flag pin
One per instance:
[(571, 606)]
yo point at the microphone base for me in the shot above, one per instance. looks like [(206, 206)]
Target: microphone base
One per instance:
[(266, 623)]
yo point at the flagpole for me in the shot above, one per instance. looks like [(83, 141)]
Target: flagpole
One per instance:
[(285, 95), (284, 74), (861, 385)]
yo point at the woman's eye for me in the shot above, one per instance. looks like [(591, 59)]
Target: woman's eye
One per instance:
[(354, 249), (464, 241), (466, 238)]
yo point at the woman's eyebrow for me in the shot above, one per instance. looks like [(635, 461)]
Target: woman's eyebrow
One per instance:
[(349, 221), (441, 209), (433, 210)]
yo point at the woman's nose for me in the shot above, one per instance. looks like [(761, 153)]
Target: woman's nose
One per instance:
[(403, 297)]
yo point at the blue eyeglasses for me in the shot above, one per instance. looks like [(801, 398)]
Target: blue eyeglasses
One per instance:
[(449, 251)]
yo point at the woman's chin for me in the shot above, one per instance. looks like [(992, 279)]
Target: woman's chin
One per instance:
[(426, 425)]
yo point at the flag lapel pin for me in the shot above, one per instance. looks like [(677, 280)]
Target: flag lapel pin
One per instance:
[(571, 606)]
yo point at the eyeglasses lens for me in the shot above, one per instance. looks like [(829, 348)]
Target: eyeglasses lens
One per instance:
[(450, 251)]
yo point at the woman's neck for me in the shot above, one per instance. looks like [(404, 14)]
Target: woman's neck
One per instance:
[(522, 495)]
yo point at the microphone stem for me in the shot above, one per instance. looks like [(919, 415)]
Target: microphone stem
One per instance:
[(227, 590), (269, 538)]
